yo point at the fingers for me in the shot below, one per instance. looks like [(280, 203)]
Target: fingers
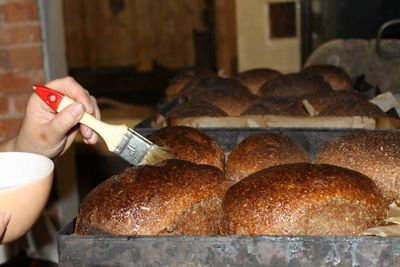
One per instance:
[(74, 90), (89, 136), (64, 121), (4, 220)]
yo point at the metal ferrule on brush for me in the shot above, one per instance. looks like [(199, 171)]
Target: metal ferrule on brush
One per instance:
[(133, 147)]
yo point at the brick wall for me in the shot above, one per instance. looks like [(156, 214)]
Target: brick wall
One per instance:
[(21, 61)]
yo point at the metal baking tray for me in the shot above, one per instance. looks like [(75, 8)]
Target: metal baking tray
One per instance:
[(77, 250)]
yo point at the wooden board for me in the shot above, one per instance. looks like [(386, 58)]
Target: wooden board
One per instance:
[(273, 121), (225, 35)]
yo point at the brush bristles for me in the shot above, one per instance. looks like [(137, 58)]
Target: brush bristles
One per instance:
[(157, 154)]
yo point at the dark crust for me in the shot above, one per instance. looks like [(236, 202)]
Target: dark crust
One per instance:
[(303, 199), (184, 77), (253, 79), (227, 94), (195, 108), (295, 85), (337, 78), (150, 200), (260, 151), (373, 153), (353, 107), (284, 106), (190, 144), (323, 100)]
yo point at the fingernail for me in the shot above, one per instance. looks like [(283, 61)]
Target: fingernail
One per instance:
[(76, 109), (88, 133)]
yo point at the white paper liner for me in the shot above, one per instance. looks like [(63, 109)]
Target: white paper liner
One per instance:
[(392, 224)]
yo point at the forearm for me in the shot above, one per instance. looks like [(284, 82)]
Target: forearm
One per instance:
[(8, 145)]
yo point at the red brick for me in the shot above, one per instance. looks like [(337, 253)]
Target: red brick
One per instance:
[(4, 107), (26, 57), (20, 34), (20, 102), (9, 127), (4, 59), (20, 10), (20, 82), (1, 13)]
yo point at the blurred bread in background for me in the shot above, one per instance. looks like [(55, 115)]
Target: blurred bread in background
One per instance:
[(253, 79), (337, 78)]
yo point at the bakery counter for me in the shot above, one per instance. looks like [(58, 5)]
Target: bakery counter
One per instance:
[(233, 250)]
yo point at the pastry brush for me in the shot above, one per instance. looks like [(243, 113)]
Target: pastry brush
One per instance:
[(120, 139)]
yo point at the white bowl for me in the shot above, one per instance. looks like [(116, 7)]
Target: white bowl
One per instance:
[(25, 184)]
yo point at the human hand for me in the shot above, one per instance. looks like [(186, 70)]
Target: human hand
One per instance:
[(48, 133), (4, 220)]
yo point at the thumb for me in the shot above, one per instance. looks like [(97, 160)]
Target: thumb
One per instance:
[(66, 119)]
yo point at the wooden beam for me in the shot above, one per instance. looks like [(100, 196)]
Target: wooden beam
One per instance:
[(225, 30)]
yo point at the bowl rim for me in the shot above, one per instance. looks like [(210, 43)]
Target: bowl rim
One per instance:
[(43, 176)]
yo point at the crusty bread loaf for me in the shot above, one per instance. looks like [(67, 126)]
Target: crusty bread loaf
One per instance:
[(303, 199), (373, 153), (260, 151), (337, 78), (344, 103), (227, 94), (173, 198), (193, 108), (284, 106), (190, 144), (353, 107), (183, 78), (295, 84), (253, 79)]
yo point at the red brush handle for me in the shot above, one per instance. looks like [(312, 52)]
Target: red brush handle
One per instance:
[(51, 97)]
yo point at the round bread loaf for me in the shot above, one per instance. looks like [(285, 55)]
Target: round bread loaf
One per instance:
[(227, 94), (193, 108), (353, 107), (303, 199), (172, 198), (283, 106), (183, 78), (322, 101), (260, 151), (295, 84), (337, 78), (373, 153), (253, 79), (190, 144)]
